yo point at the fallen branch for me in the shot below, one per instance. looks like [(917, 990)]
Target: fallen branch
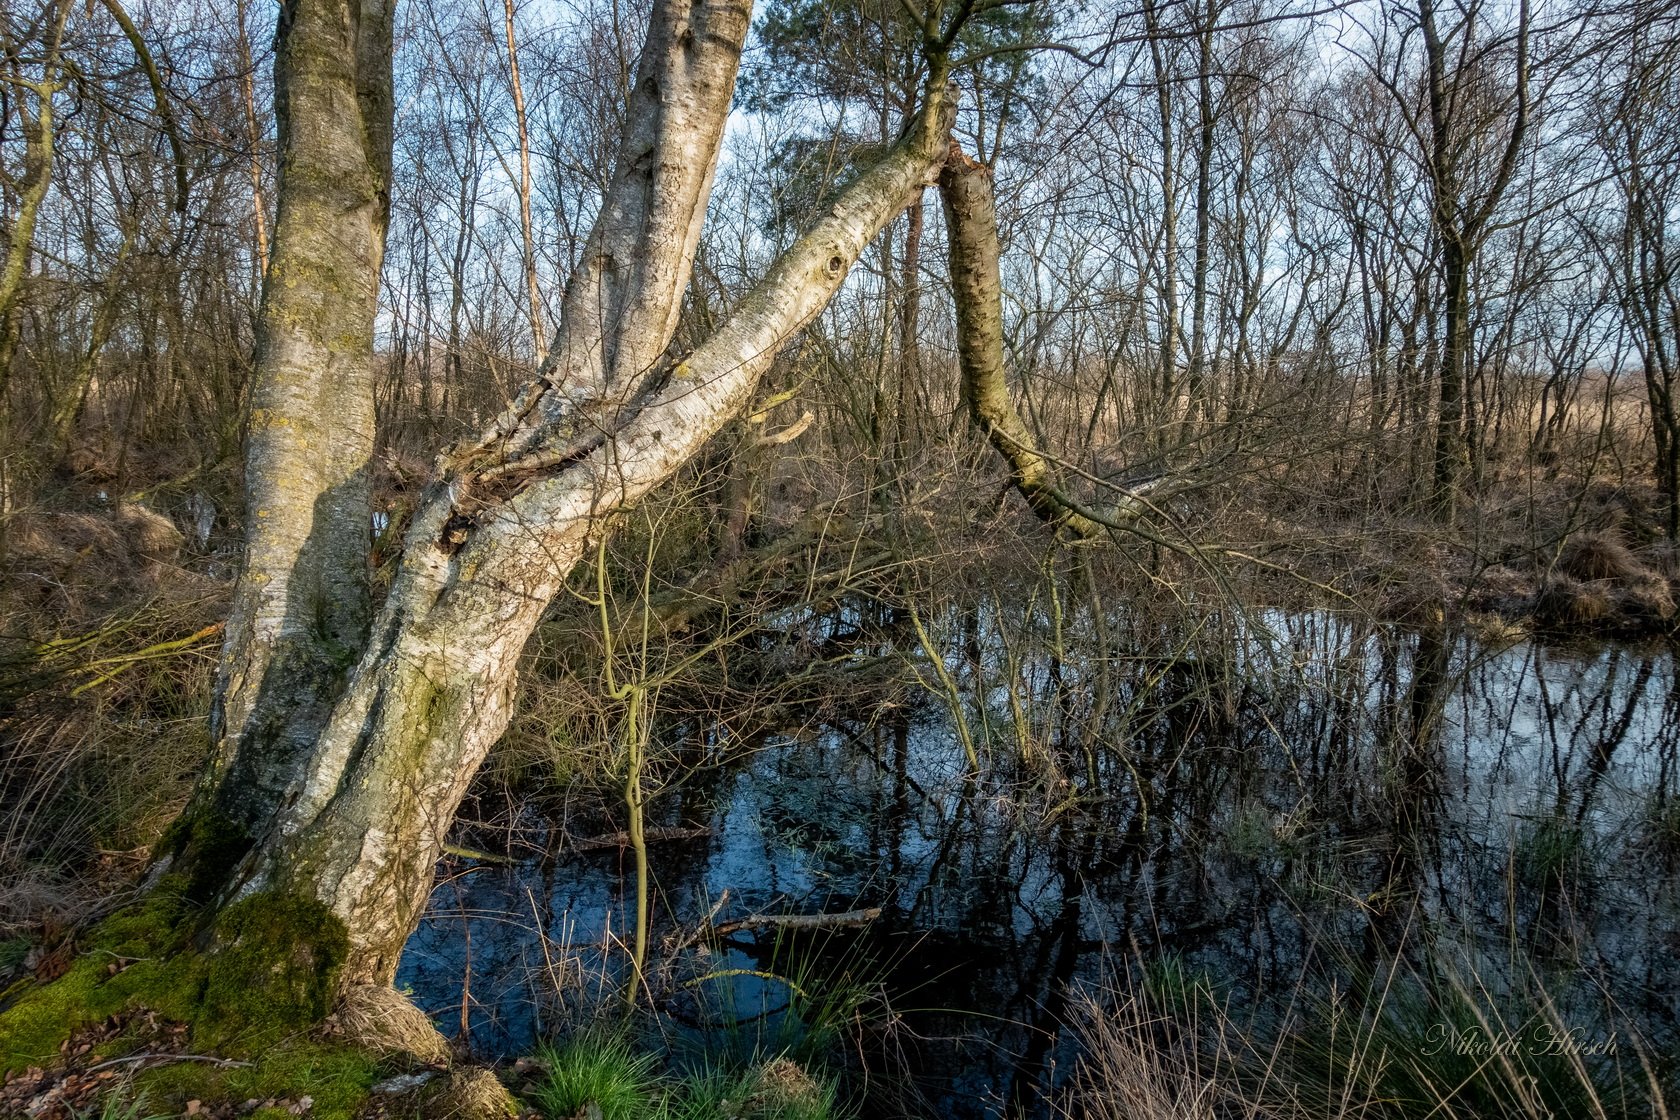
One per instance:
[(788, 434), (621, 840), (845, 919), (226, 1063), (687, 939)]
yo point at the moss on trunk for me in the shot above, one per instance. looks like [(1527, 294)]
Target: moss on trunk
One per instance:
[(201, 849), (263, 970), (271, 970)]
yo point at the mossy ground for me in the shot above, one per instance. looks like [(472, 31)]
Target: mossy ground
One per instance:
[(253, 999), (306, 1075), (337, 1079), (132, 959)]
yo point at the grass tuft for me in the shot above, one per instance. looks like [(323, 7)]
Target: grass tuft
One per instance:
[(599, 1069), (120, 1105), (779, 1089)]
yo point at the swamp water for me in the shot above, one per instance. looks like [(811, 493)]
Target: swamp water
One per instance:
[(1281, 803)]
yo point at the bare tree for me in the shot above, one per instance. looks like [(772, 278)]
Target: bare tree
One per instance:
[(1639, 129)]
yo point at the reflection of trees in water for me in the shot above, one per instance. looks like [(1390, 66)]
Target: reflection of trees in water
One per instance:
[(1238, 794)]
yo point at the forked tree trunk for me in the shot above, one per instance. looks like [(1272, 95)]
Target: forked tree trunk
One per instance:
[(344, 750)]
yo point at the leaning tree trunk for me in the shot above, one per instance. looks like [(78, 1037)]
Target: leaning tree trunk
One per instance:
[(965, 187), (341, 758)]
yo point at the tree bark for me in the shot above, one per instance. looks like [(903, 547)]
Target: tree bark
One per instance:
[(300, 609), (527, 239), (1171, 328), (965, 187), (349, 805), (1460, 225), (364, 830), (253, 135)]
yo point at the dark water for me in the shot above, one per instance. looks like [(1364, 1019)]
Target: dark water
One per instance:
[(1252, 800)]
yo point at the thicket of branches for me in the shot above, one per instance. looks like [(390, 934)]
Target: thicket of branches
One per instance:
[(1393, 257), (1371, 302)]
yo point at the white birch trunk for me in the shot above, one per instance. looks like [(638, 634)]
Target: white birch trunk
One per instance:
[(300, 609), (374, 770)]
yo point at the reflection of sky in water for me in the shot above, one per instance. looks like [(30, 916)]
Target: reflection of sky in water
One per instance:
[(1261, 834)]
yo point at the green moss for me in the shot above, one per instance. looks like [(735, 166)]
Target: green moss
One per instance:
[(145, 937), (270, 975), (152, 927), (434, 703), (266, 975), (206, 846), (336, 1078), (273, 970), (33, 1027)]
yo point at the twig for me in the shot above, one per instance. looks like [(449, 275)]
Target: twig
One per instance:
[(652, 835), (701, 927), (226, 1063)]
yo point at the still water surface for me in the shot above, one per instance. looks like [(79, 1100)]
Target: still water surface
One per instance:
[(1273, 799)]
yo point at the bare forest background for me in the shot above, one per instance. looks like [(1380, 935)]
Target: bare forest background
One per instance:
[(1365, 306), (1328, 270)]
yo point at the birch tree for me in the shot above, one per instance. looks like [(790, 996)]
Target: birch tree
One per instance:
[(345, 733)]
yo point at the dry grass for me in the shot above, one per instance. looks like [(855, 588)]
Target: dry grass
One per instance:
[(1401, 1044), (107, 645), (384, 1021), (1590, 557)]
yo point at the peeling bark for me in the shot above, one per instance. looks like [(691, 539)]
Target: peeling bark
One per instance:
[(622, 302)]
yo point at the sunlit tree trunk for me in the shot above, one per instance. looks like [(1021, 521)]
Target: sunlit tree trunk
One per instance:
[(527, 239), (343, 750), (1170, 325), (253, 136), (301, 608), (965, 187)]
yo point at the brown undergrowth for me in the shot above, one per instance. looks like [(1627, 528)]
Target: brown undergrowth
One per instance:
[(109, 614)]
